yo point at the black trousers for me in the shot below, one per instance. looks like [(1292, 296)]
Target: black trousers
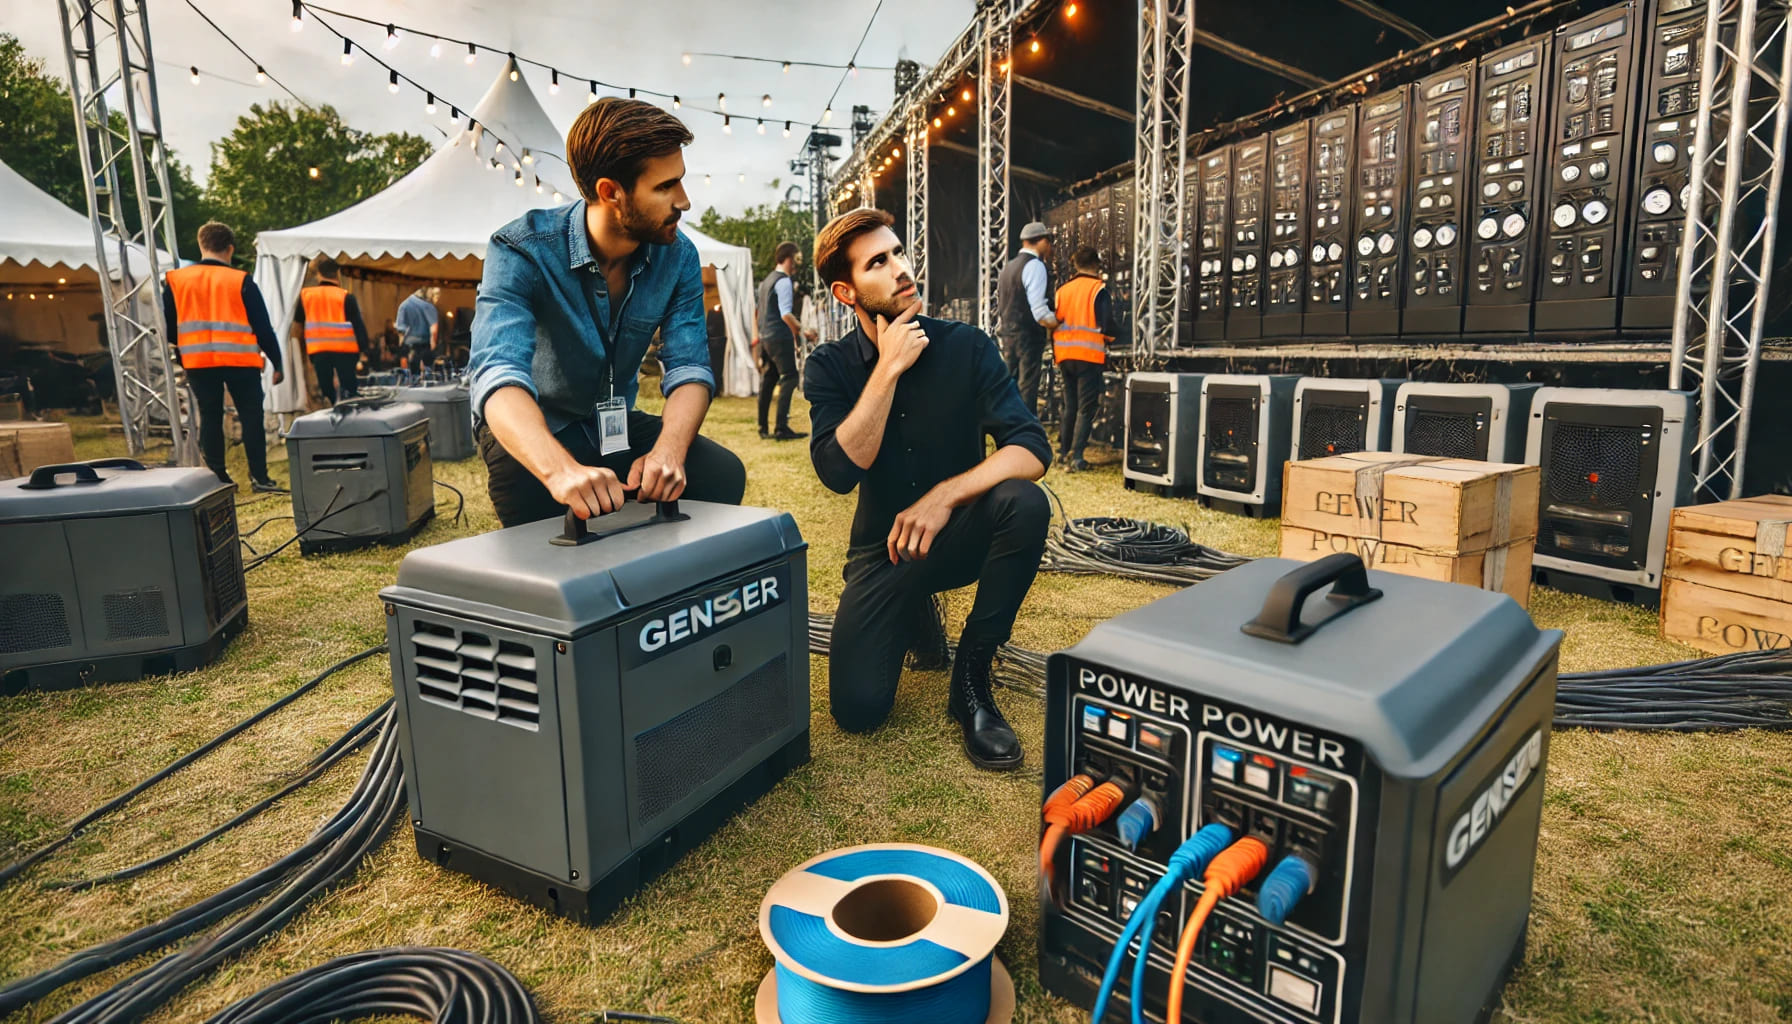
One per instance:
[(1082, 396), (1025, 356), (244, 385), (777, 367), (416, 356), (712, 472), (994, 542), (334, 367)]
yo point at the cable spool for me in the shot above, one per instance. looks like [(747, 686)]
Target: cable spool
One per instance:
[(886, 933)]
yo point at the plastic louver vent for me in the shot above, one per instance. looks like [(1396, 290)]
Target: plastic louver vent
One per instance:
[(224, 584), (492, 679)]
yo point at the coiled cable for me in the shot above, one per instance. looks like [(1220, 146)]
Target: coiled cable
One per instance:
[(447, 986)]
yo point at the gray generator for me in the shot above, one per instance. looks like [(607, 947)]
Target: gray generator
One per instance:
[(1340, 416), (1481, 422), (1389, 733), (114, 572), (1244, 441), (1163, 422), (450, 411), (579, 708), (360, 474)]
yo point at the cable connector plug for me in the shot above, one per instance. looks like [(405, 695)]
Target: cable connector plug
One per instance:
[(1139, 820), (1285, 887)]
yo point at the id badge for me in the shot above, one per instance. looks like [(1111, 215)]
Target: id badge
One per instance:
[(612, 426)]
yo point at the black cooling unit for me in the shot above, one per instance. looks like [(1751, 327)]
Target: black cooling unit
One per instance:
[(1481, 422), (1614, 465), (1162, 427), (1338, 417), (114, 572), (580, 704), (360, 474), (1244, 441)]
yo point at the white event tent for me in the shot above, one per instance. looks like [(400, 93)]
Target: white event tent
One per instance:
[(433, 225)]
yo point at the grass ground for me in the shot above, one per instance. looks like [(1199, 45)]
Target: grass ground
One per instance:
[(1664, 881)]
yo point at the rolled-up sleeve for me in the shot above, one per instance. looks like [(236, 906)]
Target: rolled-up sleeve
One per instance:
[(1004, 416), (829, 405), (503, 326), (786, 293), (684, 335), (1033, 277)]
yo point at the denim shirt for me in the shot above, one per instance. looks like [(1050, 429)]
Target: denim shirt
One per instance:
[(544, 319)]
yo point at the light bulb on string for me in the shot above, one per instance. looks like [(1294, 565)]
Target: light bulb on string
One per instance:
[(348, 52), (787, 129), (896, 152), (590, 93), (472, 53), (312, 172), (298, 15), (1033, 46), (558, 197), (513, 71), (687, 60), (706, 180), (827, 115), (528, 157), (538, 186), (965, 94), (435, 49), (852, 69), (454, 115), (743, 179), (391, 36), (429, 103), (500, 147), (721, 101), (554, 83), (1070, 11), (261, 75), (392, 82), (727, 126), (951, 111), (937, 123), (675, 103), (766, 100), (787, 67), (519, 179), (762, 126), (194, 75)]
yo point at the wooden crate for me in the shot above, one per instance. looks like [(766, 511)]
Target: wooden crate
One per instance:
[(1449, 506), (33, 444), (1730, 566), (1505, 567)]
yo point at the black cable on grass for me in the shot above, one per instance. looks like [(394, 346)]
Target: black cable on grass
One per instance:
[(13, 870), (448, 986), (1133, 548), (328, 513), (460, 508)]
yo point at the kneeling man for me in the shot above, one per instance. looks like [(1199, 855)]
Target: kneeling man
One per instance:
[(899, 409)]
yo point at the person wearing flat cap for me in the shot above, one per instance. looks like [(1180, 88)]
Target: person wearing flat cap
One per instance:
[(1024, 317)]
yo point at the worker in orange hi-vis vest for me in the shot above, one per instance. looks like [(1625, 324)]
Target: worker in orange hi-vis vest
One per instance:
[(329, 322), (1080, 348), (220, 325)]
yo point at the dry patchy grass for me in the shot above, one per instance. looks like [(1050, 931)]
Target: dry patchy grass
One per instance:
[(1663, 876)]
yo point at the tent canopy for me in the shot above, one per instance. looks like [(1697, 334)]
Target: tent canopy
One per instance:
[(435, 222), (42, 240)]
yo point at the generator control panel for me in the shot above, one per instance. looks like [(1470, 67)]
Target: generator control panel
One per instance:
[(1244, 306), (1510, 148), (1334, 156), (1442, 159), (1664, 162), (1378, 255), (1286, 280), (1214, 244)]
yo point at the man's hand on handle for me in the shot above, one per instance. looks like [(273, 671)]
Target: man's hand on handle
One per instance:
[(658, 475), (587, 490)]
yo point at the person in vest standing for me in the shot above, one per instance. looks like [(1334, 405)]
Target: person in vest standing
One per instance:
[(778, 329), (330, 322), (418, 319), (1080, 348), (1024, 311), (221, 325)]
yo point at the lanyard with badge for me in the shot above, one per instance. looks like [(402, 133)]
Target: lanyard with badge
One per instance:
[(612, 416)]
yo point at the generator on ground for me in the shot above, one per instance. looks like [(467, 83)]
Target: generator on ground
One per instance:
[(1163, 423), (450, 409), (1614, 465), (580, 704), (1244, 441), (115, 572), (1483, 422), (1354, 759), (360, 474), (1338, 416)]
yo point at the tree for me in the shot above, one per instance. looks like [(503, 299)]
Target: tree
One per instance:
[(760, 229), (284, 165), (37, 139)]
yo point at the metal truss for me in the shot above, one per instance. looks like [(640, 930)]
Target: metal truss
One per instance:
[(958, 59), (1732, 212), (917, 154), (93, 31), (1166, 38), (995, 95)]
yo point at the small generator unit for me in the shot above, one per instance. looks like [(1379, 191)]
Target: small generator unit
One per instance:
[(1244, 441), (1342, 416), (360, 474), (1481, 422), (115, 572), (1344, 794), (1614, 465), (450, 409), (1163, 424), (582, 703)]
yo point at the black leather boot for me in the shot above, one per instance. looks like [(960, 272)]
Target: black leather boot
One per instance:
[(988, 740)]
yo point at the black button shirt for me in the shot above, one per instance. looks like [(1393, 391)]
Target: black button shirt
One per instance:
[(957, 393)]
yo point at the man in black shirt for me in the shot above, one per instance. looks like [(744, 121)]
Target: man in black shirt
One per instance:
[(900, 409)]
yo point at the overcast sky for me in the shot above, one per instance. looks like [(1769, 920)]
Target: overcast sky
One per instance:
[(629, 43)]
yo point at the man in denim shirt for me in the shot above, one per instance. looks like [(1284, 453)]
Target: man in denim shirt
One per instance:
[(570, 301)]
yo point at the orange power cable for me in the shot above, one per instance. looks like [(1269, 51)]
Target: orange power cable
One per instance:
[(1231, 871), (1063, 817)]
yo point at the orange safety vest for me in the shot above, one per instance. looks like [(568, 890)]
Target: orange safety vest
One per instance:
[(326, 320), (1078, 335), (212, 321)]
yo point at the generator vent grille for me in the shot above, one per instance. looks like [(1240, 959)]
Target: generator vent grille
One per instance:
[(223, 559), (33, 622), (679, 755), (492, 679), (1231, 462), (1327, 429), (1594, 465), (1452, 435), (135, 614)]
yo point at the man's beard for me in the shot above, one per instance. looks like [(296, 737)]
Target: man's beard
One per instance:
[(644, 230), (891, 307)]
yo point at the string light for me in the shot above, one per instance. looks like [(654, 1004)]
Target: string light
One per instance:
[(519, 179), (675, 103), (313, 172), (554, 83), (591, 93), (558, 197), (937, 123), (743, 179), (787, 129), (513, 71), (951, 111), (454, 115), (761, 126), (472, 53), (298, 15), (827, 115), (261, 75), (727, 126), (766, 100), (1070, 11), (391, 37), (631, 92), (965, 95), (787, 67), (429, 103), (194, 75), (852, 69), (687, 60), (528, 157), (896, 152), (1033, 46), (435, 49), (538, 185), (392, 82), (348, 52), (500, 147), (706, 180), (721, 101)]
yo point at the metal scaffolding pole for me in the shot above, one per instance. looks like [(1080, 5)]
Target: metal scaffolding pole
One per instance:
[(1166, 38), (1732, 214), (916, 220), (148, 393), (994, 104)]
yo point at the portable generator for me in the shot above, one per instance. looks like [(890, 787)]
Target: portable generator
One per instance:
[(1483, 422), (579, 707), (1162, 423), (115, 572), (1614, 465), (1244, 441), (450, 409), (1335, 416), (1380, 740), (360, 474)]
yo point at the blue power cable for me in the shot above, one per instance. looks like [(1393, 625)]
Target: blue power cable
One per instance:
[(1137, 822), (1188, 861), (1290, 882)]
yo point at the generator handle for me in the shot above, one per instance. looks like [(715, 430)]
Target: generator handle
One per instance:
[(1279, 620), (43, 478), (577, 532)]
